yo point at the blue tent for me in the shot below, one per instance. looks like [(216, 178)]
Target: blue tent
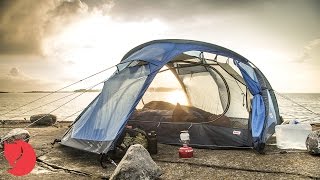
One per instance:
[(101, 123)]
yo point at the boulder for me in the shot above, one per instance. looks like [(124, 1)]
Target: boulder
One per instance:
[(136, 164), (313, 143), (15, 134), (44, 119)]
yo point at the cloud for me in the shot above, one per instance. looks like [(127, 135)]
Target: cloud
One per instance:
[(182, 9), (171, 10), (24, 24), (100, 5), (15, 80), (14, 72), (313, 44), (311, 52)]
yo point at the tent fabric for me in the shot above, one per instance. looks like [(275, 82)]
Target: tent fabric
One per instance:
[(87, 145), (231, 71), (187, 69), (271, 118), (109, 113), (258, 107), (203, 96), (202, 135), (237, 94), (110, 109)]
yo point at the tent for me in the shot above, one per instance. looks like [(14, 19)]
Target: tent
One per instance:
[(214, 80)]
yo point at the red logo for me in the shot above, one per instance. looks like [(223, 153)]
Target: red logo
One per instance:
[(20, 156)]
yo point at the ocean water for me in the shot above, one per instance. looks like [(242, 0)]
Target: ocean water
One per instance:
[(292, 111), (67, 106)]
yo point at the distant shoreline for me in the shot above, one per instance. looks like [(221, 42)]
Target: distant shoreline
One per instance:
[(79, 90), (152, 89), (161, 89)]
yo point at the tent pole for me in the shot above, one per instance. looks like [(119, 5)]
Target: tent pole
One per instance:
[(169, 65)]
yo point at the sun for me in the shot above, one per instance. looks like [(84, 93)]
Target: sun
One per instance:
[(175, 97)]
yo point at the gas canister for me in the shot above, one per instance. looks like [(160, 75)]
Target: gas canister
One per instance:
[(185, 151)]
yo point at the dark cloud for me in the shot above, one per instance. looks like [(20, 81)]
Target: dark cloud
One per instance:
[(24, 24), (19, 26), (286, 17), (180, 9), (69, 8), (104, 5), (63, 14)]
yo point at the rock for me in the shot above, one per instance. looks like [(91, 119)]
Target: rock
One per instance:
[(15, 134), (313, 143), (126, 139), (136, 164), (44, 119)]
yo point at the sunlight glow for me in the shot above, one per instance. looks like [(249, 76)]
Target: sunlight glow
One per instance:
[(98, 40), (175, 97)]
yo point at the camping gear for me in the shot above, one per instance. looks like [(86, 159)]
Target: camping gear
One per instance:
[(152, 142), (127, 138), (185, 151), (212, 78), (184, 137), (292, 136), (313, 143)]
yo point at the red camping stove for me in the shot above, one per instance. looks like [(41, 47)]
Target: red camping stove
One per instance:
[(185, 151)]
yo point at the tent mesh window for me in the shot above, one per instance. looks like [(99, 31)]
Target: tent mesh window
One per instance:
[(199, 90)]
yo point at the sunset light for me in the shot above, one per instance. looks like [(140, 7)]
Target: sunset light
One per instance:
[(175, 97), (98, 39), (169, 89)]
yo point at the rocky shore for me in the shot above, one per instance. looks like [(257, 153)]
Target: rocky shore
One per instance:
[(60, 162)]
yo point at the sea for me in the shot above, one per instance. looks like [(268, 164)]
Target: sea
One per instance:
[(67, 106)]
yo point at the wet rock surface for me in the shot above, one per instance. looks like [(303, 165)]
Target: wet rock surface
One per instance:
[(313, 143), (60, 162)]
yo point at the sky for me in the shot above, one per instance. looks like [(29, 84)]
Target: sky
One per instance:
[(45, 45)]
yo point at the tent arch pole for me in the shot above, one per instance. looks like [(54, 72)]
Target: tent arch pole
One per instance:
[(224, 81), (169, 65), (207, 66)]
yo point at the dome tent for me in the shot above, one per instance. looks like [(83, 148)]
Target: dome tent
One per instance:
[(101, 123)]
